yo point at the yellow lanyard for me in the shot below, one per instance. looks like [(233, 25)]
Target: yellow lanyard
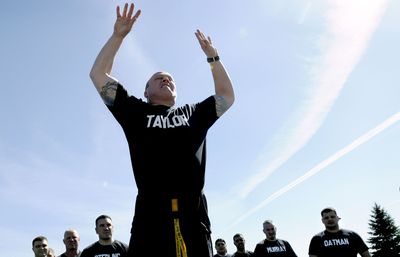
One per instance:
[(179, 242)]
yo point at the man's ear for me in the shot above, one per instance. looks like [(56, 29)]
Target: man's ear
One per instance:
[(145, 94)]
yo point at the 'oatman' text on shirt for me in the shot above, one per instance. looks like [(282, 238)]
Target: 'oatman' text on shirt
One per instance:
[(333, 242)]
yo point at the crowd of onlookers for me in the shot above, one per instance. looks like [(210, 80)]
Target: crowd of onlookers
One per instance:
[(331, 242)]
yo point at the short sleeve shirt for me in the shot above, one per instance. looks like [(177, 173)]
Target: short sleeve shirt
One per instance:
[(167, 144), (116, 249), (344, 243), (277, 248)]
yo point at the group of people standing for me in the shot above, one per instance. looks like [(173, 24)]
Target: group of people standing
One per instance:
[(106, 246), (332, 242)]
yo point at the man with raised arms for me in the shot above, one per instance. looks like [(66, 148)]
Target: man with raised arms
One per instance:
[(167, 148)]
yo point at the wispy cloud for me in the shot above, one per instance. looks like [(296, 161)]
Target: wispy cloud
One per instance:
[(350, 25), (325, 163), (304, 14)]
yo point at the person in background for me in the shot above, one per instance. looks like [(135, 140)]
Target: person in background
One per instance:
[(220, 247), (71, 241), (106, 245), (334, 241), (271, 246), (51, 253), (40, 246), (241, 251)]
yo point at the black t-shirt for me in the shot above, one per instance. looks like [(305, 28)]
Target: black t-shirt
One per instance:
[(167, 144), (168, 153), (64, 255), (116, 249), (277, 248), (344, 243), (245, 254)]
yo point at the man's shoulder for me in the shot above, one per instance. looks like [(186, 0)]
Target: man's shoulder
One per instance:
[(247, 253), (320, 234), (88, 250), (262, 242), (91, 246), (119, 242), (121, 245), (347, 231), (282, 241)]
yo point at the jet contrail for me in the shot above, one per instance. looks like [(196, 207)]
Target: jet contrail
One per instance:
[(350, 25), (325, 163)]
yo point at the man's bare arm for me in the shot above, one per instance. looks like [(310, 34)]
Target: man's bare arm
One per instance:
[(101, 70), (224, 93)]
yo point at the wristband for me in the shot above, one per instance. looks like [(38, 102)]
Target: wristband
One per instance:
[(213, 59)]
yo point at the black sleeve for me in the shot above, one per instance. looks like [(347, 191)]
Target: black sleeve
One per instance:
[(359, 244), (315, 245), (289, 250), (258, 252)]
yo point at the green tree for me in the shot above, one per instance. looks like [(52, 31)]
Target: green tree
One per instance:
[(385, 235)]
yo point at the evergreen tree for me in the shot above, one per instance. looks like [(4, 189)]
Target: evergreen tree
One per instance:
[(385, 235)]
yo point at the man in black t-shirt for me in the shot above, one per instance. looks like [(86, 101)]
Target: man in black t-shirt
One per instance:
[(220, 247), (240, 243), (71, 241), (167, 146), (106, 246), (40, 246), (334, 242), (271, 246)]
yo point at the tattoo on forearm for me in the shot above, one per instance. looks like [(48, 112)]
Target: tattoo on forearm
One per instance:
[(221, 105), (108, 92)]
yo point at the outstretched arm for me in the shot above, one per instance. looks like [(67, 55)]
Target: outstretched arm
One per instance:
[(101, 70), (224, 94)]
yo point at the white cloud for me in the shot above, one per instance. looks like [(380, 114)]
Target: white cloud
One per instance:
[(350, 25)]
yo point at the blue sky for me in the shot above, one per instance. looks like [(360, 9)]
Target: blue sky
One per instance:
[(315, 122)]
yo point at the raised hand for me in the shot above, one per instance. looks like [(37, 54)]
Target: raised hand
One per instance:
[(125, 21), (206, 44)]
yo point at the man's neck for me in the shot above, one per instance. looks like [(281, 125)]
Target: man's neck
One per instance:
[(72, 252), (333, 230), (168, 103), (106, 241)]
